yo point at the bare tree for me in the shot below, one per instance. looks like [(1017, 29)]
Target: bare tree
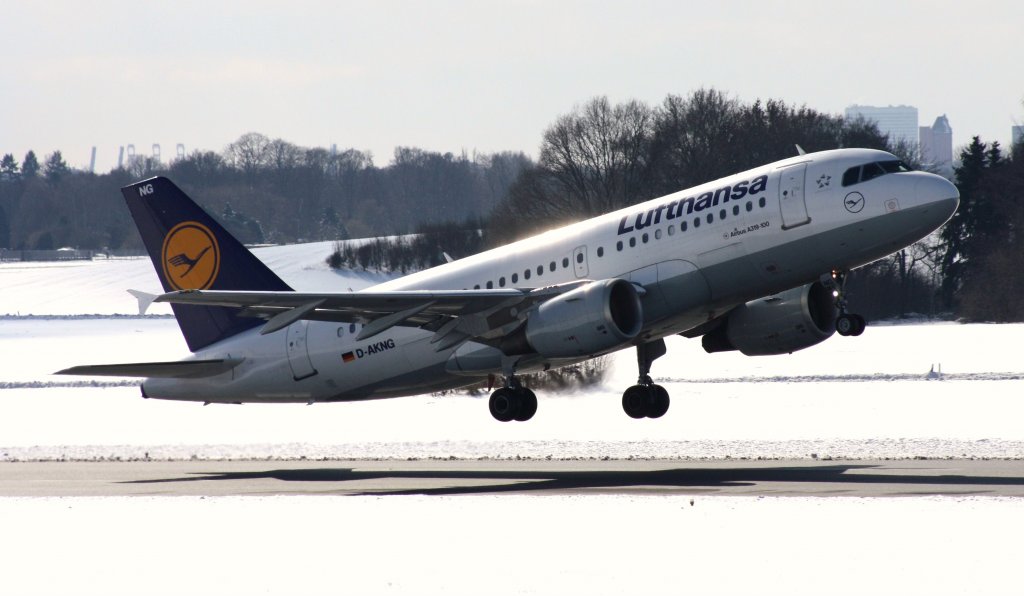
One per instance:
[(597, 154), (249, 153)]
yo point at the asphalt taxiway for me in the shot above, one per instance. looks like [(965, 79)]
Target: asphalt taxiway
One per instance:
[(805, 478)]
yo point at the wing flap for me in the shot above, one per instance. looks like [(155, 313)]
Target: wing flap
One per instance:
[(186, 369)]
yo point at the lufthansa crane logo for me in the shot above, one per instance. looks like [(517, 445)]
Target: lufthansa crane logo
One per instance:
[(191, 257)]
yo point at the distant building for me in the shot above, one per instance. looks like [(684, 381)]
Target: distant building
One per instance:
[(1018, 135), (899, 122), (937, 145)]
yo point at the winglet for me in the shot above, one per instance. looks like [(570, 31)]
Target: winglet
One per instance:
[(145, 299)]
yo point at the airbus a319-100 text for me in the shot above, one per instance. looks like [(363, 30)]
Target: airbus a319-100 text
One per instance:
[(754, 262)]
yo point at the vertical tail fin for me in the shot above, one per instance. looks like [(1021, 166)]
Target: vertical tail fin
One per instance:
[(191, 251)]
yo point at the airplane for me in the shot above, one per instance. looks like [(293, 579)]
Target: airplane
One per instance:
[(755, 262)]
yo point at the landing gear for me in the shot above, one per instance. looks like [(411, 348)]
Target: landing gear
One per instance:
[(513, 402), (645, 399), (847, 324)]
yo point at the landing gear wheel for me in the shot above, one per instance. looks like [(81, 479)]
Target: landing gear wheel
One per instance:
[(634, 401), (860, 325), (850, 325), (659, 401), (645, 401), (845, 325), (527, 405), (503, 404), (513, 403)]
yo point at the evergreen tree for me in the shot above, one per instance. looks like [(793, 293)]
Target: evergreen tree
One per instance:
[(30, 165), (971, 222), (55, 167), (8, 168)]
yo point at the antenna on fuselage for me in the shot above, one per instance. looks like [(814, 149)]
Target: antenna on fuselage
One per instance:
[(800, 150)]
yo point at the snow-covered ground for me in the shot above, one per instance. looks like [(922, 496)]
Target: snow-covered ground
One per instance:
[(499, 545), (849, 397)]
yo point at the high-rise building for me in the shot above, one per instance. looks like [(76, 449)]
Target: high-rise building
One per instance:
[(899, 122), (937, 145)]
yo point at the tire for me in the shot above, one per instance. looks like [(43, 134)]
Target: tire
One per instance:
[(634, 401), (659, 403), (527, 405), (859, 325), (503, 405), (845, 325)]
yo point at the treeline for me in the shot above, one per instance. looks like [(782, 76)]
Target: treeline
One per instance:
[(423, 249), (264, 190), (603, 156)]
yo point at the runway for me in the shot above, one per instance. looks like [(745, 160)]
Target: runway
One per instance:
[(799, 478)]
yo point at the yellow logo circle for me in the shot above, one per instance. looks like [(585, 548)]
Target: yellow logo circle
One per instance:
[(191, 257)]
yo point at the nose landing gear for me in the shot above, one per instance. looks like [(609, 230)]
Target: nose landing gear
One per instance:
[(847, 324)]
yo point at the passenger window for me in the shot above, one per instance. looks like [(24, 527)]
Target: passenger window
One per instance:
[(851, 176), (579, 257), (526, 274), (750, 206), (565, 262), (352, 328), (476, 287), (341, 331), (682, 226), (696, 222), (735, 209), (600, 251), (711, 218), (657, 234), (490, 285), (618, 246), (540, 269), (761, 202), (632, 241), (644, 238), (515, 277), (552, 266), (721, 214), (871, 170), (501, 281), (672, 230)]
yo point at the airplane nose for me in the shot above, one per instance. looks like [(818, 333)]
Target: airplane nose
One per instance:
[(939, 193)]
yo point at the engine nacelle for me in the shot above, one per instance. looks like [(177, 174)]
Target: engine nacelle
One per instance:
[(780, 324), (590, 319)]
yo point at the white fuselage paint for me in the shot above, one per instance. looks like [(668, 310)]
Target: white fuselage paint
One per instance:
[(796, 229)]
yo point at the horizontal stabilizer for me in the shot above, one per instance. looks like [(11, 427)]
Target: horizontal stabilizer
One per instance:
[(186, 369)]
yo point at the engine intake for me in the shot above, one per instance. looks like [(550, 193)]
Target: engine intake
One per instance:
[(587, 320), (779, 324)]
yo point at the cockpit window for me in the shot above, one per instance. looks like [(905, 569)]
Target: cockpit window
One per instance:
[(852, 176), (870, 171), (873, 170), (891, 167)]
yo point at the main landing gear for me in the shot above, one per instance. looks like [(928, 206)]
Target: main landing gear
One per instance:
[(645, 399), (513, 402), (847, 324)]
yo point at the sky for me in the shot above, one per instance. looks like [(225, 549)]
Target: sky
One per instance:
[(470, 75)]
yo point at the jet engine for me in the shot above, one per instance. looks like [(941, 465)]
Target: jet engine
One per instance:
[(587, 320), (779, 324)]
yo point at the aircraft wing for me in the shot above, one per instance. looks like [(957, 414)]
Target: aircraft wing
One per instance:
[(453, 315)]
